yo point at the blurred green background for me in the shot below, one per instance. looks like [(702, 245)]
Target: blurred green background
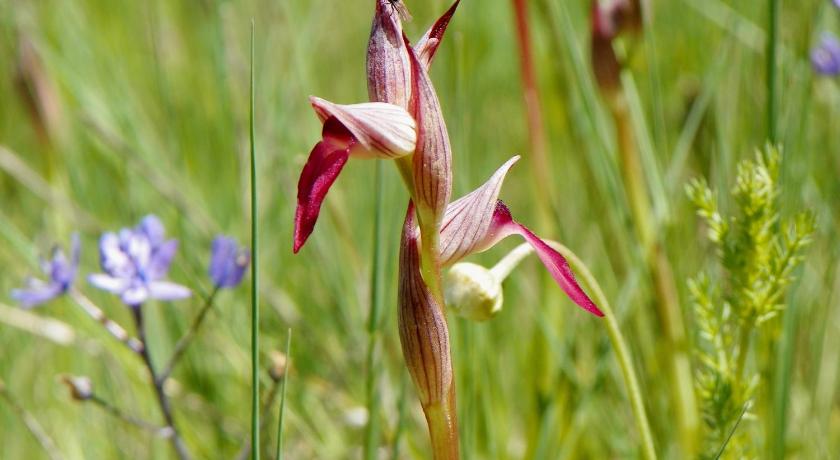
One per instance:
[(143, 108)]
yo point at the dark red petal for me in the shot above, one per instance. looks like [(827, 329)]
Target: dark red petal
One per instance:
[(558, 267), (322, 168), (427, 46)]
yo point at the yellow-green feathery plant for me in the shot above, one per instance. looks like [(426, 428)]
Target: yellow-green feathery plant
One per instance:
[(735, 305)]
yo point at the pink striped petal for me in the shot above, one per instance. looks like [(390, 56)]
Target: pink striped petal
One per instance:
[(423, 331), (427, 46), (380, 130), (388, 63), (433, 156), (503, 226), (467, 219), (322, 168)]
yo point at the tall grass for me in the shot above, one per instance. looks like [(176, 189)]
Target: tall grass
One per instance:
[(154, 116)]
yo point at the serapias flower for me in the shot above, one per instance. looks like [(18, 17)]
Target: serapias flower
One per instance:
[(228, 262), (404, 123), (136, 261), (479, 220), (825, 58), (60, 271)]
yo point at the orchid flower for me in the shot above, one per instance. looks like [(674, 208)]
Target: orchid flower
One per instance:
[(479, 220), (60, 272), (135, 262), (404, 122)]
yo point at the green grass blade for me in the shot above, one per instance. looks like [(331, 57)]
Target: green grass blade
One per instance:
[(280, 418), (255, 284)]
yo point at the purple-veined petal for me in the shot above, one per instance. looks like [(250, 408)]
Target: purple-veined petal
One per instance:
[(503, 226), (467, 219), (422, 326), (108, 283), (36, 293), (165, 290), (381, 130), (427, 46), (322, 168), (433, 156), (388, 65), (152, 227), (161, 259)]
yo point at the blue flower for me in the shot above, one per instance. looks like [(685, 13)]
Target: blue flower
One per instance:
[(135, 262), (826, 56), (228, 262), (60, 272)]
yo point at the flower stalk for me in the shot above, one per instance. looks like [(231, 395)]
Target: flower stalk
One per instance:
[(608, 21), (185, 341), (160, 394)]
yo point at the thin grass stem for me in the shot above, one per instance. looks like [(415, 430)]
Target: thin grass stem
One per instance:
[(282, 411), (255, 305), (32, 424), (187, 338), (372, 430)]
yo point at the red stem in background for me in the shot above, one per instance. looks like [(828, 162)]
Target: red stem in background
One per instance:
[(536, 130)]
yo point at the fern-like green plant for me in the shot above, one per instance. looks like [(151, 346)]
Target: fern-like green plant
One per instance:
[(757, 252)]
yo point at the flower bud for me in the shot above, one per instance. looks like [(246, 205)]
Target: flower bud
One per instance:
[(81, 387), (473, 292), (278, 362)]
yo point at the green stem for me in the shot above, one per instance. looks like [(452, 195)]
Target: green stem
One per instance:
[(772, 76), (372, 432), (255, 302), (282, 410), (622, 352), (186, 340), (661, 273)]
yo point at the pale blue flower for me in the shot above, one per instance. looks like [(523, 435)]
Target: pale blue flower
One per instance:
[(228, 262), (136, 261), (60, 272)]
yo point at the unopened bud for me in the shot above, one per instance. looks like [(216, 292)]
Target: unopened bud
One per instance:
[(278, 362), (81, 387), (473, 291)]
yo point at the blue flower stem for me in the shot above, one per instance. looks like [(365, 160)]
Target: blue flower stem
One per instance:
[(130, 419), (187, 338), (372, 431), (255, 302), (117, 331), (162, 399)]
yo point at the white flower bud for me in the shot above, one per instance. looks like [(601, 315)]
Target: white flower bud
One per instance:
[(81, 387), (473, 292)]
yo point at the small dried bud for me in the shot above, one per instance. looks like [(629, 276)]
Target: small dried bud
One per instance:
[(278, 361), (81, 387), (473, 292)]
